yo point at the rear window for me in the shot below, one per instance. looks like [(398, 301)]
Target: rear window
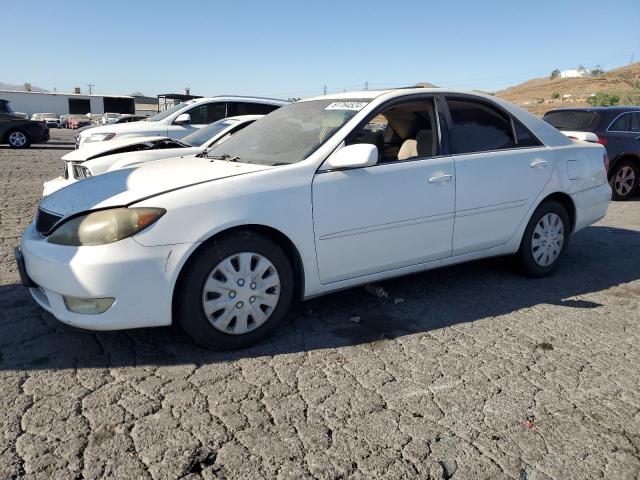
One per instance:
[(581, 121)]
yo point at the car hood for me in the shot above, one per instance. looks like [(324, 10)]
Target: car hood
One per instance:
[(129, 185), (99, 149), (141, 128)]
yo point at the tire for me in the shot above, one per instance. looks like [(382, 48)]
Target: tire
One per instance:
[(209, 283), (18, 139), (624, 180), (540, 255)]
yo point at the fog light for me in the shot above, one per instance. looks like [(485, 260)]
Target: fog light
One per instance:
[(88, 306)]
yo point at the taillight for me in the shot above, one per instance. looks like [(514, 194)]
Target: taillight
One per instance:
[(602, 140), (605, 160)]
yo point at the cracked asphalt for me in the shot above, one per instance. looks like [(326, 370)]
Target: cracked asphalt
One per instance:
[(467, 372)]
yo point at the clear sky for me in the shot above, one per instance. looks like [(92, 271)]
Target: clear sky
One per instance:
[(294, 48)]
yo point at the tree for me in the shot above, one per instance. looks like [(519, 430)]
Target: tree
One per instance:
[(603, 99), (555, 74), (555, 95), (294, 99), (596, 71)]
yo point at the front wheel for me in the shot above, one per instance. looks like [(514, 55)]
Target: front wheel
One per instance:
[(624, 180), (545, 239), (18, 139), (235, 291)]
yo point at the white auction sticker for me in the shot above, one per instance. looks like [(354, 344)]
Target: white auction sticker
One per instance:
[(346, 106)]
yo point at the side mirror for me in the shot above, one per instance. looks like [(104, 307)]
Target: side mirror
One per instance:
[(352, 156), (182, 119)]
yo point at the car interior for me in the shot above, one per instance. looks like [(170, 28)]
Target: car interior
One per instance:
[(401, 132)]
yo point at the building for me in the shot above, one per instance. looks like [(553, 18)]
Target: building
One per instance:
[(573, 73), (67, 103)]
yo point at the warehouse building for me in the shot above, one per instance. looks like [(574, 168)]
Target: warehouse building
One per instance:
[(67, 103)]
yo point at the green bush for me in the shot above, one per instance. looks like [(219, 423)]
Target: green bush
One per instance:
[(602, 99)]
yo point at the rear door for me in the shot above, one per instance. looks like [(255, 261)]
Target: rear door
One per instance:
[(621, 135), (500, 168)]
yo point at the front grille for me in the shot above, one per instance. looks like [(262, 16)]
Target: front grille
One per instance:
[(45, 220)]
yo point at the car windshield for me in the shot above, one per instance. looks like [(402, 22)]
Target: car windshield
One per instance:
[(581, 121), (164, 114), (289, 134), (205, 134)]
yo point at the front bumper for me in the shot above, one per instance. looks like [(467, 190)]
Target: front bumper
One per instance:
[(141, 279)]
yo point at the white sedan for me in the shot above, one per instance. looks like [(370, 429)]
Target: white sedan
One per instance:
[(309, 200), (101, 157)]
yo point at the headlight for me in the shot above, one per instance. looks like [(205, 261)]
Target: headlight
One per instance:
[(104, 226), (81, 172), (99, 137)]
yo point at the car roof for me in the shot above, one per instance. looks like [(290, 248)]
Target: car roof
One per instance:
[(239, 98)]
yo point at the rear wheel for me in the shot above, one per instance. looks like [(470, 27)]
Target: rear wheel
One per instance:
[(18, 139), (624, 180), (545, 239), (235, 291)]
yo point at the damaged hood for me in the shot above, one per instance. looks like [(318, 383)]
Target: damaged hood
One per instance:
[(100, 149), (129, 185)]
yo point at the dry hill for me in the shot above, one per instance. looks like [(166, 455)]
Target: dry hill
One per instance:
[(537, 95)]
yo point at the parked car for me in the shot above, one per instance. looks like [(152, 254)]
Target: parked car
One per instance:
[(126, 118), (52, 120), (78, 121), (101, 157), (182, 119), (618, 129), (306, 201), (20, 132)]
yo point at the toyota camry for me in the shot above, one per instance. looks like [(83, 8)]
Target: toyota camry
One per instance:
[(320, 195)]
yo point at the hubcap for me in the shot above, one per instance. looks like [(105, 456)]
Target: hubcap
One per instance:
[(241, 293), (17, 139), (625, 178), (547, 241)]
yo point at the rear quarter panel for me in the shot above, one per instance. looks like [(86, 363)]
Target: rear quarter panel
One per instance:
[(580, 166)]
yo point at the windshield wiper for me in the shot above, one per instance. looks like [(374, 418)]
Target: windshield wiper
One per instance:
[(225, 156)]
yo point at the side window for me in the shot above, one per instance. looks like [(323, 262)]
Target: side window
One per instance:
[(403, 131), (208, 113), (478, 127), (246, 108), (621, 124), (524, 137), (635, 123)]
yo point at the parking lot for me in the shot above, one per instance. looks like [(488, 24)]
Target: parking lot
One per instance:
[(467, 372)]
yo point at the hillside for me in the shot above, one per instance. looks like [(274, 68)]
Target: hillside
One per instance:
[(536, 95), (8, 86)]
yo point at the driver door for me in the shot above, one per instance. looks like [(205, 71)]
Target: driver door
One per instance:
[(201, 115), (397, 213)]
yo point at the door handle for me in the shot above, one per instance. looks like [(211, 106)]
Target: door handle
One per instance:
[(539, 163), (440, 178), (638, 137)]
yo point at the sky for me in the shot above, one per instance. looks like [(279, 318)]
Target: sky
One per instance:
[(294, 48)]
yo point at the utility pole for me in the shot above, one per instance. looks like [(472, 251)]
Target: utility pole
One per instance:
[(324, 90), (90, 85), (366, 85), (631, 61)]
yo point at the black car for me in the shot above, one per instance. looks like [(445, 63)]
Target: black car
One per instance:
[(618, 129), (19, 132)]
